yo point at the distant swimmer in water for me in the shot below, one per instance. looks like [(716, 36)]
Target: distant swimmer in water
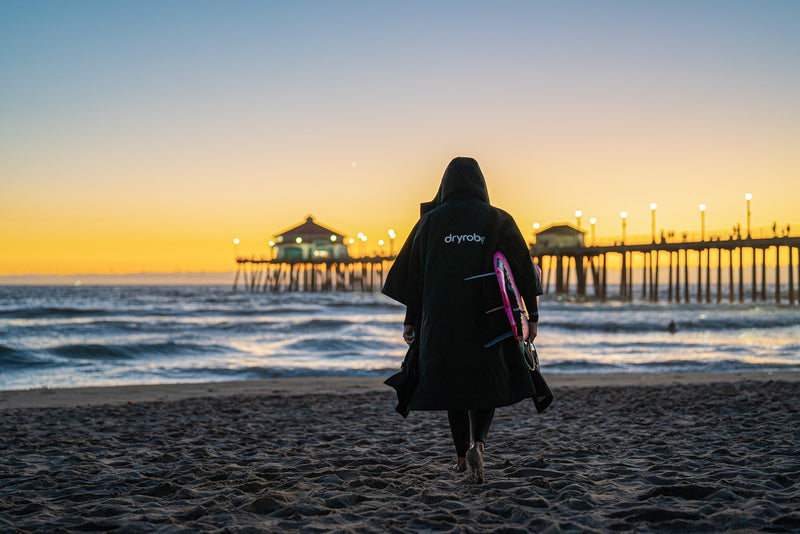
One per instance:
[(672, 327)]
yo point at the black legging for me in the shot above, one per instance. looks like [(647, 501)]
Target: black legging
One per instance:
[(466, 424)]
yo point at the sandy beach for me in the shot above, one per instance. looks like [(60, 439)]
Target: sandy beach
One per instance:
[(680, 453)]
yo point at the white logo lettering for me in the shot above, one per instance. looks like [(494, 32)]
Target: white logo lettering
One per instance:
[(471, 238)]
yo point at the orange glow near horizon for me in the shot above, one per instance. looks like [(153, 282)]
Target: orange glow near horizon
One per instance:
[(101, 242), (124, 231)]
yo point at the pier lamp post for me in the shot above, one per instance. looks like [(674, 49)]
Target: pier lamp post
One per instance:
[(380, 246), (748, 197), (592, 221), (363, 239), (272, 250), (235, 248), (578, 214), (702, 222), (653, 207), (392, 235), (624, 216)]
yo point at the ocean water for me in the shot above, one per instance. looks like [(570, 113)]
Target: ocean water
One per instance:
[(104, 335)]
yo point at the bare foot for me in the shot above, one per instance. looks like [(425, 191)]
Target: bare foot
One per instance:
[(461, 465), (475, 464)]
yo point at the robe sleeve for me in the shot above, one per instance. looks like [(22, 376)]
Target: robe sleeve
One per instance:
[(397, 284), (404, 279)]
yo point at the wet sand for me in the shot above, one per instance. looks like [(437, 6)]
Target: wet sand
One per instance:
[(690, 453)]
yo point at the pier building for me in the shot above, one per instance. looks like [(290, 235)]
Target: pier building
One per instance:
[(309, 241)]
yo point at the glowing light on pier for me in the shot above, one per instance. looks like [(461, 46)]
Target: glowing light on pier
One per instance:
[(748, 197), (702, 222), (392, 235), (653, 207), (363, 239), (624, 216)]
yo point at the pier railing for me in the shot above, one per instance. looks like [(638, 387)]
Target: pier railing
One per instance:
[(731, 269), (673, 236)]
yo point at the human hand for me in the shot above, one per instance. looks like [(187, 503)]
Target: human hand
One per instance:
[(532, 330), (408, 334)]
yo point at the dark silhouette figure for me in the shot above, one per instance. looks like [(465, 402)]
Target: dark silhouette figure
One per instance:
[(446, 324)]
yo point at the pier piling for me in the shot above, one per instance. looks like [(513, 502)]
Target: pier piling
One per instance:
[(706, 257)]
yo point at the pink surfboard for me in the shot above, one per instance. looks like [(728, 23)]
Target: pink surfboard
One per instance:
[(514, 309), (505, 279)]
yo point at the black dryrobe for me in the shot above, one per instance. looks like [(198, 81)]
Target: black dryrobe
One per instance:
[(456, 238)]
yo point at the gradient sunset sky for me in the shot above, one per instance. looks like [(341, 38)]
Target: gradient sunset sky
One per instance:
[(146, 136)]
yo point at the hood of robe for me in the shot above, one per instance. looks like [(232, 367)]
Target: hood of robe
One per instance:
[(463, 179)]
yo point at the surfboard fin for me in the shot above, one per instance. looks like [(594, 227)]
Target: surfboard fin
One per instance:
[(498, 339), (500, 308), (480, 276)]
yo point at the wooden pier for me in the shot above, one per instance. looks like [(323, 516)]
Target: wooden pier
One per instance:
[(352, 274), (701, 271)]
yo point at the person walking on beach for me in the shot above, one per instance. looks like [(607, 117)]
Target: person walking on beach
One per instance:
[(446, 320)]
